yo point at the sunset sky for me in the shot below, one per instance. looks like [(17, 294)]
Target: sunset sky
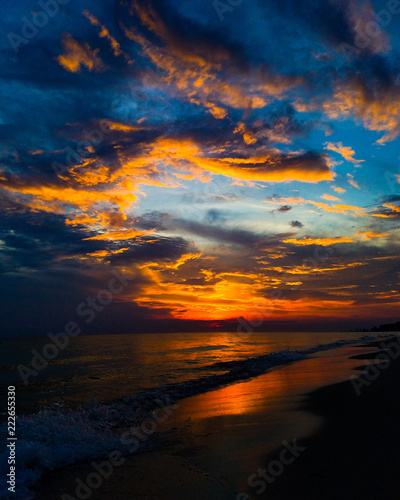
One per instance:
[(240, 159)]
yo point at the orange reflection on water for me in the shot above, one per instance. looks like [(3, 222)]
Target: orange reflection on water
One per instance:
[(241, 398), (280, 389)]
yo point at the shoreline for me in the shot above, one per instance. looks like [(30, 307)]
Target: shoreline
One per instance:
[(198, 441), (59, 382), (356, 453)]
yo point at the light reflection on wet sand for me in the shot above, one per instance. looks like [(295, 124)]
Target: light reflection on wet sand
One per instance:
[(213, 442), (229, 431)]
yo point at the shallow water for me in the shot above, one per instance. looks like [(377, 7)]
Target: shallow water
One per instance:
[(109, 367)]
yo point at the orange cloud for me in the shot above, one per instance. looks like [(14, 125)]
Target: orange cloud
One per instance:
[(88, 173), (352, 182), (53, 198), (306, 270), (230, 299), (382, 216), (343, 209), (391, 206), (329, 197), (122, 127), (104, 33), (347, 207), (217, 111), (319, 241), (339, 190), (195, 76), (345, 151), (368, 235), (79, 54), (186, 155), (380, 113), (389, 211), (100, 254), (230, 294), (175, 265), (276, 134), (120, 235), (97, 208), (83, 219)]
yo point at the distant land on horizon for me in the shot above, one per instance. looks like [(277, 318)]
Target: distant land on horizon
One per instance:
[(387, 327)]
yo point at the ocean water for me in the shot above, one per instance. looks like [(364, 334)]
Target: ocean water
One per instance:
[(108, 367), (77, 406)]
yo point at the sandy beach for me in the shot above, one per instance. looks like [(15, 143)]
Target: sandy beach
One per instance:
[(214, 443), (356, 453)]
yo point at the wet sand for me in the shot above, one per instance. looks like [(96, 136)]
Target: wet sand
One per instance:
[(213, 442), (356, 453)]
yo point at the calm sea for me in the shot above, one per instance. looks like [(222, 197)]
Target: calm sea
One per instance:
[(108, 367)]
